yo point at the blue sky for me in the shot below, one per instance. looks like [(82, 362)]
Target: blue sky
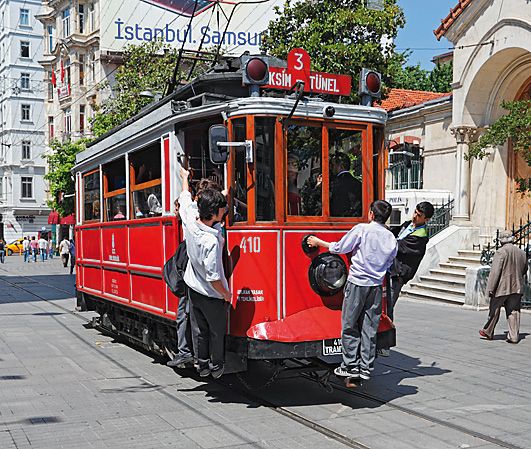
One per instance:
[(422, 17)]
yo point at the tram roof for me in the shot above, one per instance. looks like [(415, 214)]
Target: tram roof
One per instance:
[(208, 96)]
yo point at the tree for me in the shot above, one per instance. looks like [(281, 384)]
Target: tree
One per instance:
[(415, 78), (341, 36), (516, 126), (148, 66), (61, 160)]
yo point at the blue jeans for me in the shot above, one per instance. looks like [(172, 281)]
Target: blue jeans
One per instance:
[(34, 254), (2, 255), (43, 253), (26, 255)]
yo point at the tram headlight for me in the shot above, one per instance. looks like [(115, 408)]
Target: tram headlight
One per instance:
[(328, 274)]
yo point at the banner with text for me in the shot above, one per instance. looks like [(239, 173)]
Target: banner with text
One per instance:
[(137, 21)]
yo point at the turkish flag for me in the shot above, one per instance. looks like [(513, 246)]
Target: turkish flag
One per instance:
[(62, 72), (54, 79)]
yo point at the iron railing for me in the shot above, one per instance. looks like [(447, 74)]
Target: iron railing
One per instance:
[(522, 238), (441, 218)]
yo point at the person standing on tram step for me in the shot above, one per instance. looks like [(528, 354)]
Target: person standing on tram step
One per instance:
[(43, 248), (64, 250), (205, 276), (412, 238), (34, 245), (373, 249), (26, 249), (2, 251), (72, 252), (505, 287)]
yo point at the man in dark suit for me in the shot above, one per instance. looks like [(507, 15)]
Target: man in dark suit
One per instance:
[(345, 189), (505, 287)]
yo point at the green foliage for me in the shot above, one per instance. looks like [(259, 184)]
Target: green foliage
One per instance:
[(341, 36), (415, 78), (146, 67), (516, 125), (60, 163)]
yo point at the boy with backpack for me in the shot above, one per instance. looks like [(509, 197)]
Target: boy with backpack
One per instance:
[(373, 249)]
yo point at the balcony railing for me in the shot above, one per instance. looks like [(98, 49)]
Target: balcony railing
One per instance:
[(441, 218)]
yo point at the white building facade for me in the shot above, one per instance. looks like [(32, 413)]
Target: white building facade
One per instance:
[(23, 190)]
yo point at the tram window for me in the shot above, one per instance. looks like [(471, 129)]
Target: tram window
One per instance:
[(145, 180), (114, 193), (304, 170), (196, 149), (116, 207), (265, 168), (377, 141), (240, 172), (91, 196), (345, 184)]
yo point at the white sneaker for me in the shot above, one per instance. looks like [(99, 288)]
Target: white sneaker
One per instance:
[(383, 352)]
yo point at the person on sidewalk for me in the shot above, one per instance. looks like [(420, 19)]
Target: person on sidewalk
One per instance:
[(505, 287), (2, 251), (50, 249), (205, 276), (64, 250), (412, 238), (72, 252), (373, 249), (34, 245), (43, 248), (26, 249)]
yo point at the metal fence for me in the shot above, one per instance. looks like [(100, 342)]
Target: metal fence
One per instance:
[(441, 218)]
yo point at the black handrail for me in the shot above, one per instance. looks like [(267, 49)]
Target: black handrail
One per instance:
[(441, 218)]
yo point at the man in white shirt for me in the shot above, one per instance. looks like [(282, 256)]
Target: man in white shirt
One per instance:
[(64, 249), (43, 248), (204, 275), (26, 249), (373, 249)]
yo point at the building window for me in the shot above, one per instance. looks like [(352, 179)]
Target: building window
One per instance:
[(25, 81), (66, 22), (24, 49), (82, 118), (25, 112), (50, 30), (92, 17), (24, 17), (27, 187), (92, 64), (406, 171), (68, 122), (26, 149), (81, 70), (51, 128), (81, 18)]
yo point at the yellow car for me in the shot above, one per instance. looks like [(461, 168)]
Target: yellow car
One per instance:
[(14, 247)]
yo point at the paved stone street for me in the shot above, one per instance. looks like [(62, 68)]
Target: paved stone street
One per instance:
[(64, 385)]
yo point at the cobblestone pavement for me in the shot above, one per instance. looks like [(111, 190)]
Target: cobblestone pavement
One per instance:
[(63, 385)]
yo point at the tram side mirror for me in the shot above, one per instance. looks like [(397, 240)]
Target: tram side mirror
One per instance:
[(217, 134)]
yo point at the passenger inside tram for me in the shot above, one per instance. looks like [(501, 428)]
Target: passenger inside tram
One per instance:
[(345, 189)]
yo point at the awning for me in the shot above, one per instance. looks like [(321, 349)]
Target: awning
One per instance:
[(53, 218), (68, 220)]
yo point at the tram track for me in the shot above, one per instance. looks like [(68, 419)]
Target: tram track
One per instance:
[(282, 410)]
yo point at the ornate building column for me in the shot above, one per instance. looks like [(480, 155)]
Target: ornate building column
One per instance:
[(463, 136)]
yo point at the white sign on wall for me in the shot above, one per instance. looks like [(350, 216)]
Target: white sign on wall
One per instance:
[(137, 21)]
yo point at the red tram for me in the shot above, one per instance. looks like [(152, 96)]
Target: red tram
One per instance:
[(282, 177)]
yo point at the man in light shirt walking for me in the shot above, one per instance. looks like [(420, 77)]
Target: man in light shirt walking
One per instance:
[(373, 249)]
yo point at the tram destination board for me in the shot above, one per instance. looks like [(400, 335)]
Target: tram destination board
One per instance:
[(332, 346)]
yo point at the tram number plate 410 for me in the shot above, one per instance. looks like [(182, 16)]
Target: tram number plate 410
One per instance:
[(332, 346)]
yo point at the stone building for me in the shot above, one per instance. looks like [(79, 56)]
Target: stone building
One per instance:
[(23, 209)]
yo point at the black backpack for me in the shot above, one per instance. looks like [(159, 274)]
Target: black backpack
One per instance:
[(174, 271)]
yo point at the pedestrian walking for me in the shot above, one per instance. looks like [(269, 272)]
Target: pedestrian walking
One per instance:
[(505, 287), (2, 251), (43, 248), (412, 238), (64, 250), (50, 249), (72, 251), (26, 249), (205, 276), (373, 249), (34, 245)]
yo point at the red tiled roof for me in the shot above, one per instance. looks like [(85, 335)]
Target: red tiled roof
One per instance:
[(447, 22), (405, 98)]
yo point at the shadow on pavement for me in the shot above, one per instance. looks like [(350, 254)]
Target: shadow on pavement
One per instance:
[(16, 289)]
